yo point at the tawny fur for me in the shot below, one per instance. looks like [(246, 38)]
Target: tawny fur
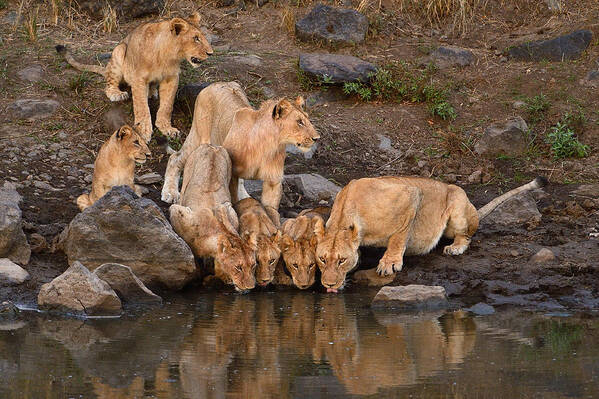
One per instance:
[(406, 215), (115, 165), (254, 139), (254, 219), (206, 220), (151, 54)]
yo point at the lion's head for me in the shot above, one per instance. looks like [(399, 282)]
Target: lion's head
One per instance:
[(298, 246), (295, 126), (237, 258), (131, 144), (267, 256), (192, 43), (336, 255)]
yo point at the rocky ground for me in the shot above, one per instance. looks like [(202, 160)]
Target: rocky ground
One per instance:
[(506, 100)]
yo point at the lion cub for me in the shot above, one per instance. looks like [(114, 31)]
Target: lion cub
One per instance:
[(151, 55), (115, 165), (253, 219), (205, 219)]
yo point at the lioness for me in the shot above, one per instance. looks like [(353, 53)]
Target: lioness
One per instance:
[(255, 139), (298, 244), (404, 214), (253, 219), (151, 55), (115, 164), (206, 220)]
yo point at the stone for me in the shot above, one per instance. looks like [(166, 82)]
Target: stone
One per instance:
[(32, 73), (149, 178), (32, 108), (517, 210), (518, 104), (79, 291), (42, 185), (12, 274), (253, 187), (591, 79), (554, 5), (411, 297), (475, 177), (543, 256), (587, 190), (124, 8), (122, 228), (385, 145), (563, 48), (103, 57), (336, 26), (507, 138), (451, 178), (450, 56), (481, 309), (336, 68), (37, 242), (313, 186), (186, 96), (125, 283), (248, 60), (13, 243)]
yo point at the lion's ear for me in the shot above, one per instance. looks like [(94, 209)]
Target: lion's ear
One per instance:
[(223, 245), (252, 240), (299, 101), (195, 18), (123, 132), (318, 228), (178, 26), (280, 109)]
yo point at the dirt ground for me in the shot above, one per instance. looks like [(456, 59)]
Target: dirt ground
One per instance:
[(50, 159)]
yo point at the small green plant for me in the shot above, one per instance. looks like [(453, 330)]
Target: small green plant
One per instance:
[(2, 4), (564, 143), (78, 82), (537, 107)]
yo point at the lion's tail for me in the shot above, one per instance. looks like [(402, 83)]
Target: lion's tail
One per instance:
[(83, 201), (62, 50), (536, 183)]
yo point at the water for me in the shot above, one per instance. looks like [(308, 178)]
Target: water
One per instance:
[(299, 345)]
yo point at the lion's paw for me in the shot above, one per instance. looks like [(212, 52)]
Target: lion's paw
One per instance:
[(454, 250), (389, 265), (168, 130), (170, 196), (117, 95)]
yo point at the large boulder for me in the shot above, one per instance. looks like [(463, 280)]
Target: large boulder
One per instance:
[(507, 138), (312, 186), (12, 274), (563, 48), (126, 284), (337, 26), (449, 56), (336, 68), (518, 210), (411, 297), (122, 228), (13, 243), (125, 8), (79, 291), (32, 108)]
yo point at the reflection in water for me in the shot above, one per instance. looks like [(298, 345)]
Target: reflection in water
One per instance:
[(283, 345)]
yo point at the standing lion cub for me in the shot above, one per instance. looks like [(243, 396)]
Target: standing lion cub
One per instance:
[(151, 55)]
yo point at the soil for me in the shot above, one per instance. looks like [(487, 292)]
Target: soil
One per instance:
[(60, 149)]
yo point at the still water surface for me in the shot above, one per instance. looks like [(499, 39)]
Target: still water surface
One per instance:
[(299, 345)]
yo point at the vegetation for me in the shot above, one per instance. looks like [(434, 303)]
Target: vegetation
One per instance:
[(79, 81), (537, 107), (564, 143)]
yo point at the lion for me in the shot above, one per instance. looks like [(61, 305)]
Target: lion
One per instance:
[(206, 220), (254, 139), (147, 57), (254, 219), (115, 164), (298, 245), (406, 215)]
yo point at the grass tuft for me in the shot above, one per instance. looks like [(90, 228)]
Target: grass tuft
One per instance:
[(537, 107), (564, 143), (288, 20), (109, 21), (31, 25)]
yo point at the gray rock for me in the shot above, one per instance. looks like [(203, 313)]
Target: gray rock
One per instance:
[(292, 149), (587, 190), (12, 274), (149, 178), (31, 73), (249, 60), (481, 309), (518, 104), (591, 79), (13, 243), (253, 187), (337, 26), (563, 48), (312, 186), (475, 177), (104, 57), (32, 108), (449, 56), (11, 18), (336, 68), (122, 228), (543, 256), (186, 96), (42, 185), (125, 8), (508, 138), (80, 291), (126, 284), (411, 297), (517, 210)]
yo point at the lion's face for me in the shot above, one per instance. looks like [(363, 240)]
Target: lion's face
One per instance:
[(336, 255), (193, 45), (267, 254), (237, 258), (300, 259), (295, 126), (132, 144)]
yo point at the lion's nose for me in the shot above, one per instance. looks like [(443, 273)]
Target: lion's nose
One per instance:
[(316, 138), (195, 60), (209, 52), (327, 285)]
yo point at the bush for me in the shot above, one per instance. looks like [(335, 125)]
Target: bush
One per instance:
[(564, 143)]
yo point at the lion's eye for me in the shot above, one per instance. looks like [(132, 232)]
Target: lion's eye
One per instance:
[(300, 122), (136, 142), (270, 262), (197, 39), (322, 259), (238, 268), (312, 265), (342, 260)]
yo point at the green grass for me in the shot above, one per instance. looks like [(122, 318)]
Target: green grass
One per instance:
[(537, 107), (79, 81), (564, 143)]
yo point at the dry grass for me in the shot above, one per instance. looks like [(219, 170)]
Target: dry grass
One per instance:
[(56, 8), (31, 24), (436, 11), (109, 21), (288, 19)]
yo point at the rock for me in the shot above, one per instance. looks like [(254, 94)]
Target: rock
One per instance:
[(591, 79), (128, 287), (449, 56), (385, 145), (125, 8), (518, 104), (412, 297), (210, 37), (517, 210), (80, 291), (336, 68), (451, 178), (32, 108), (224, 3), (543, 256), (103, 57), (481, 309), (312, 186), (563, 48), (508, 138), (554, 5), (13, 243), (249, 60), (31, 73), (11, 18), (12, 274), (186, 96), (587, 190), (253, 187), (292, 149), (42, 185), (475, 177), (123, 228), (337, 26), (37, 243), (371, 278), (149, 178)]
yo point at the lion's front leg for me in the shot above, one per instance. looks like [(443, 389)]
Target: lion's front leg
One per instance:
[(141, 110), (167, 90), (271, 197)]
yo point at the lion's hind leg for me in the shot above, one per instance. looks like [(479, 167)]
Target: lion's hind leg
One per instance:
[(462, 223), (114, 74)]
